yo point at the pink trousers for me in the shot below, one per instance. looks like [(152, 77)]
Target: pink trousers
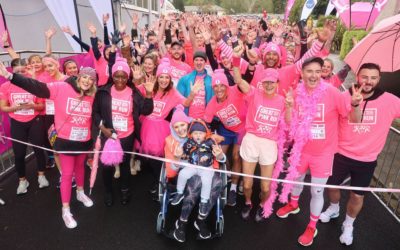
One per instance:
[(71, 165)]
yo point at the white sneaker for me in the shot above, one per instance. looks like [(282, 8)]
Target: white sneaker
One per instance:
[(133, 170), (22, 187), (117, 173), (347, 235), (43, 182), (330, 213), (81, 196), (137, 165), (69, 221)]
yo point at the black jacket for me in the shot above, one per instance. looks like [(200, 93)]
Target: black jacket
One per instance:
[(102, 108)]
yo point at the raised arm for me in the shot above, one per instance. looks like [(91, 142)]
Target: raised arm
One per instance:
[(48, 34), (93, 41), (67, 30), (7, 47), (106, 17)]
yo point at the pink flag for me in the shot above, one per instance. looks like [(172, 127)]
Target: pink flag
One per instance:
[(289, 6)]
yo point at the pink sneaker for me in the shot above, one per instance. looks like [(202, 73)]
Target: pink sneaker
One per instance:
[(307, 238), (284, 212)]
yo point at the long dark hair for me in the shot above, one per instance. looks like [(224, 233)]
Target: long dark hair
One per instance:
[(167, 89)]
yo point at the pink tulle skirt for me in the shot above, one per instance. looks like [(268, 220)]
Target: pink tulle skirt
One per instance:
[(153, 134)]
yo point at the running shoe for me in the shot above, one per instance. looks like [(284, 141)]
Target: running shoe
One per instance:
[(201, 226), (246, 211), (177, 199), (307, 238), (50, 163), (347, 235), (179, 233), (22, 187), (240, 189), (259, 215), (69, 221), (231, 198), (330, 213), (203, 208), (285, 211), (82, 197), (43, 182)]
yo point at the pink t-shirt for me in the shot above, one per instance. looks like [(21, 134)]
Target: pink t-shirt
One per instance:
[(198, 105), (101, 67), (49, 104), (178, 69), (231, 112), (73, 114), (364, 141), (122, 111), (334, 81), (16, 95), (263, 114), (324, 128), (163, 104)]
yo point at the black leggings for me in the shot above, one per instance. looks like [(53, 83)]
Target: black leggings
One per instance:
[(108, 171), (27, 131), (48, 121)]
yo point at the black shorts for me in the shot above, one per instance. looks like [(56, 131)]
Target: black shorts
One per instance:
[(360, 172)]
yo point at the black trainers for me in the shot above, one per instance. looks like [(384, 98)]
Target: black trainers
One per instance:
[(259, 215), (203, 208), (108, 199), (201, 226), (177, 199), (50, 163), (179, 232), (125, 197), (231, 198), (246, 211)]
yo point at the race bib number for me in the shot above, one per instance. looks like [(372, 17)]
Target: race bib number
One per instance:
[(49, 107), (78, 134), (318, 131), (120, 123), (25, 112)]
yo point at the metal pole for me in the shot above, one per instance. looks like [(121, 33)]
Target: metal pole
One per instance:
[(350, 15), (370, 13), (77, 21)]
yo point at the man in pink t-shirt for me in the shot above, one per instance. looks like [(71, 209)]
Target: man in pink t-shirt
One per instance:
[(359, 146), (178, 67), (318, 107)]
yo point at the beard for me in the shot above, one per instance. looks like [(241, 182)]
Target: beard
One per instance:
[(367, 92)]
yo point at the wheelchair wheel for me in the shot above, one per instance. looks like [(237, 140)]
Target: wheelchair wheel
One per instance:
[(162, 183), (160, 223), (219, 226)]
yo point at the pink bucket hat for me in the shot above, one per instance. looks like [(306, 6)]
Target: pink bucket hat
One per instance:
[(121, 65), (219, 77), (179, 115), (163, 68), (269, 75)]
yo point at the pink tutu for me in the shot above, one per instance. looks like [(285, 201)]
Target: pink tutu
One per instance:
[(153, 136)]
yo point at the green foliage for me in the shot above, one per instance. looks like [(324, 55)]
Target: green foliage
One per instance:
[(295, 13), (279, 6), (347, 43), (179, 4)]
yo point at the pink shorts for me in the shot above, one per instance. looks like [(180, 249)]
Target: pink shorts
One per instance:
[(258, 149), (320, 165)]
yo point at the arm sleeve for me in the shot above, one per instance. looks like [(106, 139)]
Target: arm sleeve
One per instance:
[(168, 36), (85, 46), (211, 58), (31, 85), (106, 39), (95, 48), (313, 51)]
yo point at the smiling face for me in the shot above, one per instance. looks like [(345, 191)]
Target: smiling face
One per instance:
[(85, 82), (50, 68), (369, 78), (71, 69), (271, 59), (164, 80), (326, 69), (220, 92), (148, 66), (269, 87), (120, 79), (311, 75), (176, 52), (181, 129), (36, 63), (199, 64)]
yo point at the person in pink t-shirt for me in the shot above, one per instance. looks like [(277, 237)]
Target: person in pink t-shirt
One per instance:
[(229, 107), (264, 112), (178, 67), (26, 125), (359, 146), (73, 121), (318, 106)]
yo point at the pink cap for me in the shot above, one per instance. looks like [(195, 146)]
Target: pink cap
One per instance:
[(272, 47), (179, 115), (219, 77), (163, 68), (269, 75), (121, 65)]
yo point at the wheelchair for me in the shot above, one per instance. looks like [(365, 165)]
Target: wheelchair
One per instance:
[(167, 189)]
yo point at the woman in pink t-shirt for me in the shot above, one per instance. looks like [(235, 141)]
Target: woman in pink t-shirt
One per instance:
[(229, 106), (73, 121), (265, 111), (26, 124)]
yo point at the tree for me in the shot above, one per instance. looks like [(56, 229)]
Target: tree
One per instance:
[(180, 5), (295, 13)]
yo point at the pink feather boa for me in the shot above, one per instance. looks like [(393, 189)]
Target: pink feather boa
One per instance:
[(112, 153), (300, 133)]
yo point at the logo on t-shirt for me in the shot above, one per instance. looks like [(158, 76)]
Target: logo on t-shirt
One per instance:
[(229, 116), (78, 108), (158, 108), (369, 118), (120, 107), (266, 118)]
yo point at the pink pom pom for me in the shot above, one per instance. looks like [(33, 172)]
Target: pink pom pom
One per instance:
[(112, 153)]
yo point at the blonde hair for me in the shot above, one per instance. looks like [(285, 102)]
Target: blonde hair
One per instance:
[(89, 92)]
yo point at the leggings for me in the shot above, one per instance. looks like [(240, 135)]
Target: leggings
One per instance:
[(192, 194), (48, 121), (71, 165), (108, 171), (27, 131)]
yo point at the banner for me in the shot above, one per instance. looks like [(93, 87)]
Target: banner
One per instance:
[(308, 8), (289, 6), (3, 27), (101, 7), (329, 8), (360, 12), (65, 15)]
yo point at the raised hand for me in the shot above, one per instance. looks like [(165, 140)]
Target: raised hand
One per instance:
[(135, 19), (356, 96), (126, 39), (67, 29), (149, 84), (178, 152), (50, 32), (217, 151), (106, 17), (289, 99), (137, 72), (238, 50), (197, 86), (115, 37), (92, 29), (205, 33), (122, 28)]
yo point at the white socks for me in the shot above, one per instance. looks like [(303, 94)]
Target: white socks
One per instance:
[(233, 187), (349, 220)]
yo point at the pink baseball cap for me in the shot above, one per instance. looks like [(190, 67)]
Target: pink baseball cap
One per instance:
[(269, 75), (272, 47), (120, 65), (219, 77), (163, 68)]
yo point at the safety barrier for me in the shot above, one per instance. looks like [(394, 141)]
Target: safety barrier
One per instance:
[(387, 173)]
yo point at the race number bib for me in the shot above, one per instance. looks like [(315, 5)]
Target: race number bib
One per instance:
[(120, 123), (25, 112), (78, 134), (318, 131), (49, 107)]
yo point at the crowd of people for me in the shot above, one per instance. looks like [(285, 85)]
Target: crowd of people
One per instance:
[(204, 89)]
